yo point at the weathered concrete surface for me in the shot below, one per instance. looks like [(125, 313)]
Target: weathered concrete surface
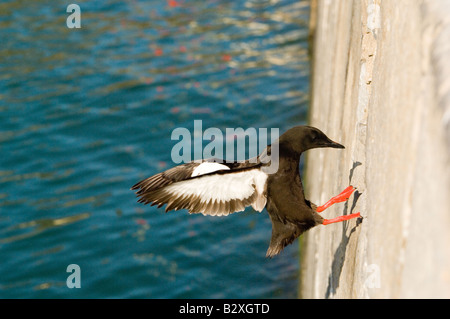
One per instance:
[(381, 86)]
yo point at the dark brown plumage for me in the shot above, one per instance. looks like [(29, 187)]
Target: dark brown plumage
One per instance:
[(213, 188)]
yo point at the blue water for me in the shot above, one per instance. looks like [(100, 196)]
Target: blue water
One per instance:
[(86, 113)]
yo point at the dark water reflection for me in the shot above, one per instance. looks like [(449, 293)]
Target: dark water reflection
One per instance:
[(86, 113)]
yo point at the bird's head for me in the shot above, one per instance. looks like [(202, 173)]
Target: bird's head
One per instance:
[(303, 138)]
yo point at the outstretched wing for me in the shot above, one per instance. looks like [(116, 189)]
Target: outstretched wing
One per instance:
[(208, 188)]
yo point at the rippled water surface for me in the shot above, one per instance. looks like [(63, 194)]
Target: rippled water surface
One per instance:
[(84, 114)]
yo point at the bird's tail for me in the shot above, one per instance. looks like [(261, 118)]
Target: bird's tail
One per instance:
[(283, 234)]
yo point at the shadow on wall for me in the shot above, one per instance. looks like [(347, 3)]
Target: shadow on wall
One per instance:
[(339, 255)]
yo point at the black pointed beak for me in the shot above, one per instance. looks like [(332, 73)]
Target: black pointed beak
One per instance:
[(333, 144)]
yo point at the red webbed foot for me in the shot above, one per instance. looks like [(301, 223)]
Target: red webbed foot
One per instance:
[(342, 197), (340, 219)]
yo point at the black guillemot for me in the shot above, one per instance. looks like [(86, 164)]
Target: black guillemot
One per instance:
[(220, 188)]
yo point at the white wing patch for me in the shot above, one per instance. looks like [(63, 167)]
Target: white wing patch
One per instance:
[(217, 194), (208, 167), (260, 187)]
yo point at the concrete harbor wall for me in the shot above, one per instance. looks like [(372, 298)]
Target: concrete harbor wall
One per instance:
[(380, 86)]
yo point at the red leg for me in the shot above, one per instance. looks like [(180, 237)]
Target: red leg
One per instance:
[(342, 197), (340, 219)]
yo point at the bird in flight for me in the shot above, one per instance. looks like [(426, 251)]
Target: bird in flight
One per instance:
[(217, 188)]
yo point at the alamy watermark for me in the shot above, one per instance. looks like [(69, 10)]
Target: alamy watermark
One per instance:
[(74, 19), (217, 140), (74, 279), (373, 279)]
